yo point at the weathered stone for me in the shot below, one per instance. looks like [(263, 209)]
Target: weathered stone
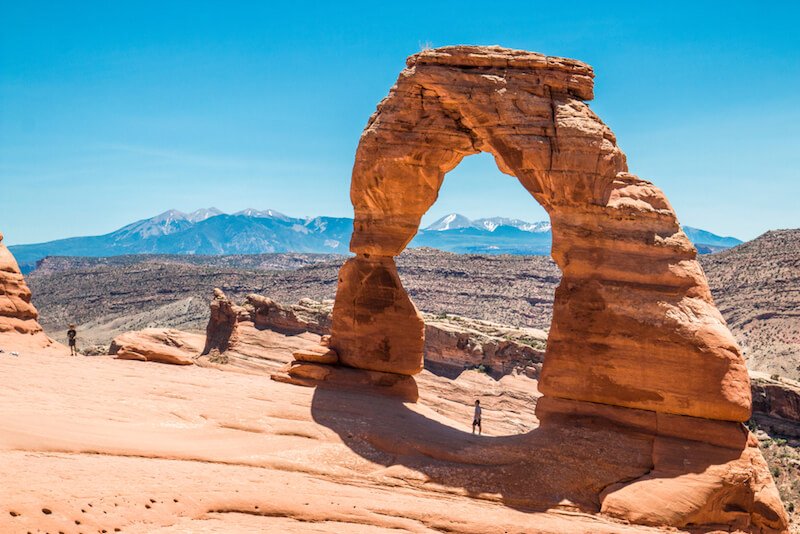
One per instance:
[(316, 356), (635, 337), (703, 471), (19, 320), (776, 404), (375, 324), (777, 398), (161, 345), (306, 316), (221, 332), (634, 324), (338, 377)]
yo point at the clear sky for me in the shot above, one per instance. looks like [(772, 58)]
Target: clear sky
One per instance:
[(115, 111)]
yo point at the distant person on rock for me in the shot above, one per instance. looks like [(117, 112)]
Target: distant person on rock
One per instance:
[(476, 421), (71, 335)]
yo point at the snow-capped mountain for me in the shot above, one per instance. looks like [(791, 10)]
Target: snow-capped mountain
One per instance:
[(449, 222), (264, 214), (251, 231), (493, 223), (456, 220), (166, 223), (202, 214)]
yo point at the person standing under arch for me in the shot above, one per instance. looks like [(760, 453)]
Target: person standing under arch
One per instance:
[(476, 420)]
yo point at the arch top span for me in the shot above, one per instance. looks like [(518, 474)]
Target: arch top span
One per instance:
[(634, 323), (524, 108), (564, 75)]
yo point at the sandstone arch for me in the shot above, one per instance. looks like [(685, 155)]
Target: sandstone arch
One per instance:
[(634, 324), (636, 343)]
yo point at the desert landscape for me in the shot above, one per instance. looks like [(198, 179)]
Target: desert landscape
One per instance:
[(627, 384)]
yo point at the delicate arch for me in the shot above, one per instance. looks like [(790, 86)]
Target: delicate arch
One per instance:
[(634, 323)]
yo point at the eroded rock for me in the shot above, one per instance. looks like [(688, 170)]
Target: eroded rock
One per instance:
[(221, 332), (19, 320), (161, 345), (634, 324), (635, 331)]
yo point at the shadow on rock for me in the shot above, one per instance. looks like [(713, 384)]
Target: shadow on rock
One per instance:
[(565, 463)]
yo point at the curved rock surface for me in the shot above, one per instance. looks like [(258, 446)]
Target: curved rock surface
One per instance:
[(19, 324), (161, 345), (634, 324), (635, 335)]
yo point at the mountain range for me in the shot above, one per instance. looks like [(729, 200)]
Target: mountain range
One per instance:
[(209, 231)]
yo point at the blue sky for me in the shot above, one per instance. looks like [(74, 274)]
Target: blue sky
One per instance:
[(115, 111)]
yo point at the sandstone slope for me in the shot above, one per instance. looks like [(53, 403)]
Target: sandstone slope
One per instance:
[(108, 444)]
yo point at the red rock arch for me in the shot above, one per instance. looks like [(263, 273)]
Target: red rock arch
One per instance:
[(634, 324)]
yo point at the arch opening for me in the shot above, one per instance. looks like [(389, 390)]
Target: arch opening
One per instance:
[(523, 305), (481, 210)]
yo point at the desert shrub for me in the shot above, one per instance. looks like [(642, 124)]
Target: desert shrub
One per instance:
[(482, 368)]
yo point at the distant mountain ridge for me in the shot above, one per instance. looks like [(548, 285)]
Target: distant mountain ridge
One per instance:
[(209, 231), (454, 221)]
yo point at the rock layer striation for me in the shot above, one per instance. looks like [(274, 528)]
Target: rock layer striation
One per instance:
[(19, 320), (634, 324), (635, 339)]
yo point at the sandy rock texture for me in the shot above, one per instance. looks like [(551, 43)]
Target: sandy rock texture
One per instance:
[(161, 345), (19, 324), (634, 324), (635, 336), (191, 449)]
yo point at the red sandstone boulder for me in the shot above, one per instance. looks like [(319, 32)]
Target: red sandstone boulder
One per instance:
[(158, 345), (316, 355)]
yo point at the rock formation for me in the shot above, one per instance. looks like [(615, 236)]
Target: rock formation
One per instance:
[(452, 343), (635, 336), (305, 316), (221, 332), (776, 404), (19, 324), (161, 345), (634, 324)]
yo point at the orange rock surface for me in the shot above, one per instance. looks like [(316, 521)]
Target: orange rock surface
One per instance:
[(375, 325), (19, 325), (634, 324), (635, 339), (104, 444), (160, 345)]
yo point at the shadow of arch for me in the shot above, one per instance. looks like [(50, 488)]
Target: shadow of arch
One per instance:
[(565, 463)]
